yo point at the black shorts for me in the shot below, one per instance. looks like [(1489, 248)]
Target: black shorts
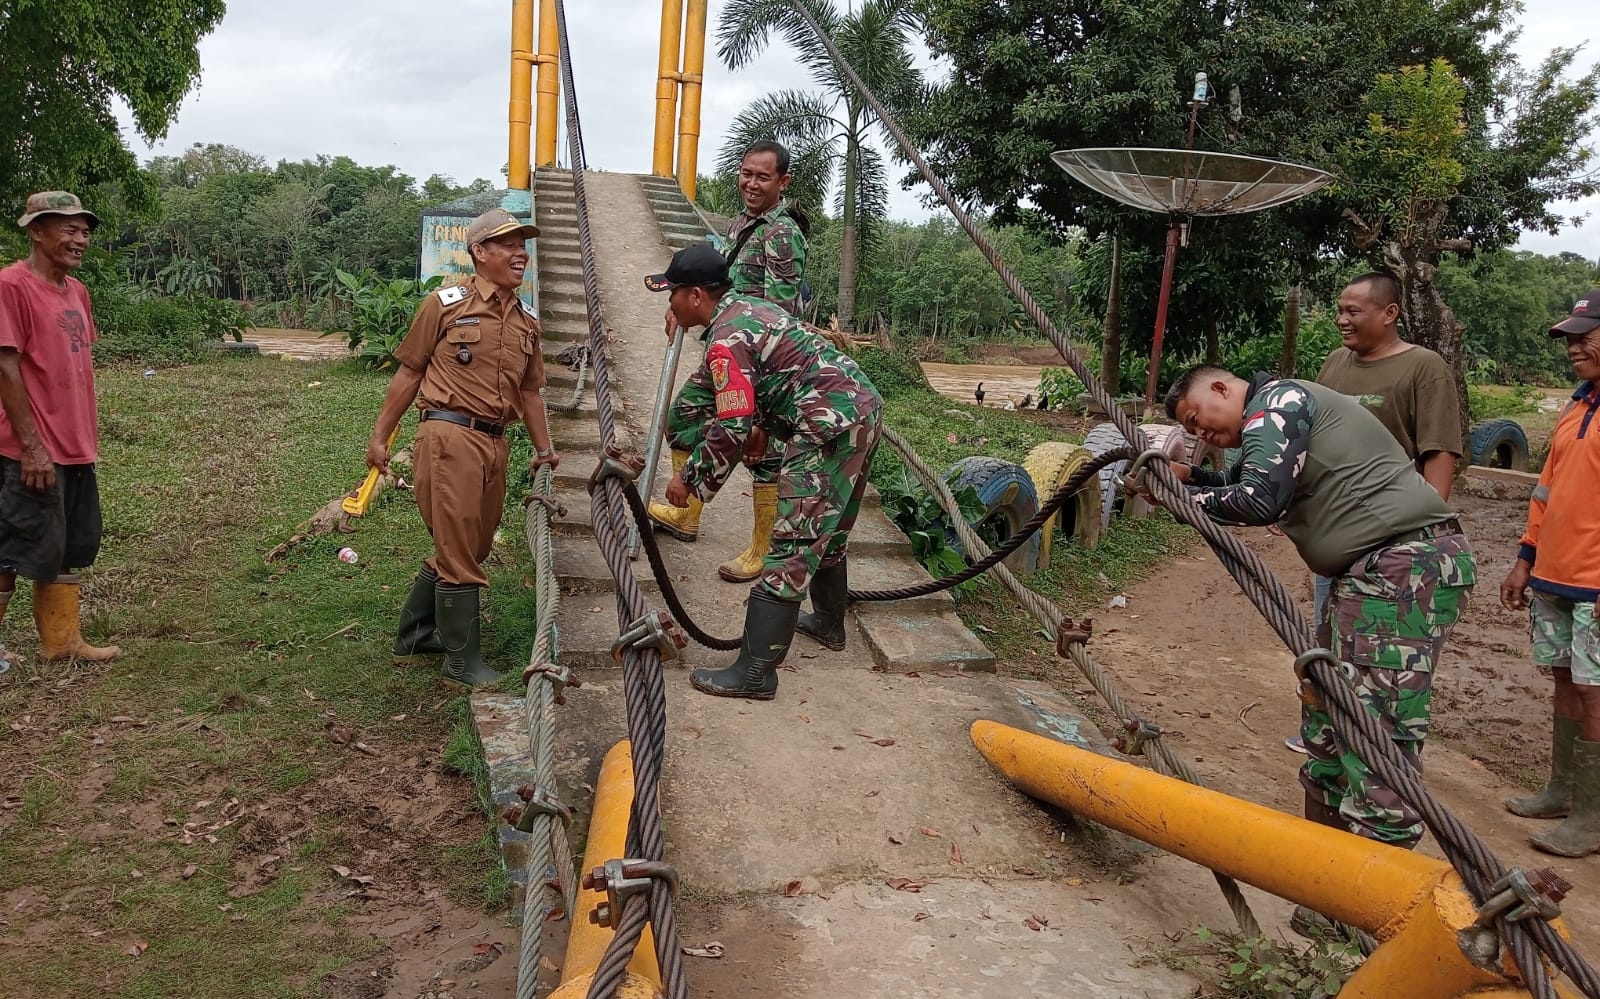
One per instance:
[(43, 534)]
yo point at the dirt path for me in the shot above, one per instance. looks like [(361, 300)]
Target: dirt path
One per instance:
[(1197, 657)]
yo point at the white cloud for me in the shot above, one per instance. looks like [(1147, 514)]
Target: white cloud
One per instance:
[(394, 82)]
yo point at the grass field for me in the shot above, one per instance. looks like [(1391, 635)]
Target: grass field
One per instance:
[(168, 823)]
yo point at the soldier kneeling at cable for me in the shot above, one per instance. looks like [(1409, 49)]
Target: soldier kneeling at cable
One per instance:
[(772, 378)]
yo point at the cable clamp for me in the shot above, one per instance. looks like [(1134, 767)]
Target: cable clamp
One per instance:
[(655, 630)]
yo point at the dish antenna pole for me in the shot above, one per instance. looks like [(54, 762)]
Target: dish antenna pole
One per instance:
[(1183, 185)]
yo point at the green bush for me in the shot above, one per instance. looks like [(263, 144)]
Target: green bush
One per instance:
[(1062, 386), (378, 313), (891, 372), (918, 515), (1489, 404), (160, 330)]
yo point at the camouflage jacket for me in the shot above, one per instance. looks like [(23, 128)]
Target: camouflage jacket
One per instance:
[(771, 264), (1260, 484), (768, 370), (1324, 469)]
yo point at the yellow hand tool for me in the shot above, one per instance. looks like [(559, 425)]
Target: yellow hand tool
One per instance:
[(356, 502)]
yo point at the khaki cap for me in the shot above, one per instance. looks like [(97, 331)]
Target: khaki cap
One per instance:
[(498, 222), (54, 203)]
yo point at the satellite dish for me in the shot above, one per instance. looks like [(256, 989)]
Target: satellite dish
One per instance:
[(1178, 182)]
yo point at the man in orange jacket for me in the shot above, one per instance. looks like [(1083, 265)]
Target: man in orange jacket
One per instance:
[(1557, 562)]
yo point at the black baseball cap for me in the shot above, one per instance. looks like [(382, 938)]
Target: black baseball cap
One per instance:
[(698, 266), (1585, 316)]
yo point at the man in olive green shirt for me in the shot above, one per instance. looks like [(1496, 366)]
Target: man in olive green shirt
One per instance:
[(1324, 469)]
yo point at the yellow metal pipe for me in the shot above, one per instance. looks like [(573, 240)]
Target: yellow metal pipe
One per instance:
[(521, 113), (549, 85), (1337, 873), (694, 67), (1415, 905), (608, 840), (667, 76)]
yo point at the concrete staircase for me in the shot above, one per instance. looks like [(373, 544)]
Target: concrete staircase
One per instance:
[(680, 225)]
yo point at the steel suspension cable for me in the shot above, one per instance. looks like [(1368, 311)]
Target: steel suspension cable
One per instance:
[(643, 683)]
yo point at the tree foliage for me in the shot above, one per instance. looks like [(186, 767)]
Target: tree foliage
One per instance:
[(63, 64), (1291, 79), (826, 128)]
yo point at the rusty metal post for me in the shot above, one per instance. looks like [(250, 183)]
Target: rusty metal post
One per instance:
[(1154, 379), (1416, 906)]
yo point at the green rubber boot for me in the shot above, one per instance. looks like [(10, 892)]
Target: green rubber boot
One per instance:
[(768, 630), (1555, 801), (417, 636), (1579, 835), (456, 608), (830, 595)]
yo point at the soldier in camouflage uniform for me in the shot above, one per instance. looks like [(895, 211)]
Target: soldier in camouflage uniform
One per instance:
[(1325, 470), (769, 374), (767, 260)]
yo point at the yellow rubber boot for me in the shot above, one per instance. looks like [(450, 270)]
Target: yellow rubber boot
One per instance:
[(55, 611), (682, 524), (747, 564)]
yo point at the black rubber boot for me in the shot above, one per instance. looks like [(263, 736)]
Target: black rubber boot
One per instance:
[(456, 608), (768, 630), (830, 595), (417, 636)]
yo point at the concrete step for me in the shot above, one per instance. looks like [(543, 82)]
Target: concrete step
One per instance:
[(564, 333), (564, 291)]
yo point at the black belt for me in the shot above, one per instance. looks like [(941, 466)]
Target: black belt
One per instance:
[(470, 422), (1442, 529)]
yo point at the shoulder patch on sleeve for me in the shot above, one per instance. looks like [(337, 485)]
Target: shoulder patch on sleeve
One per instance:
[(453, 294), (735, 395), (528, 309)]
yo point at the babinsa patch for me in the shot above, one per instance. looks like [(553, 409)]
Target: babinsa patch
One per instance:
[(735, 395)]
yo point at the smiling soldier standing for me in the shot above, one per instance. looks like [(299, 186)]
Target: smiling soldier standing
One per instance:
[(471, 360), (767, 260), (49, 429)]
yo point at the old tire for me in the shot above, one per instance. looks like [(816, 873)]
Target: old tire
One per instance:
[(1499, 444), (1098, 441), (1177, 445), (1050, 465), (1009, 501)]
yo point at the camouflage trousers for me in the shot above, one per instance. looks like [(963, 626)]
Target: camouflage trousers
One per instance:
[(1564, 635), (1390, 615), (820, 489), (695, 409)]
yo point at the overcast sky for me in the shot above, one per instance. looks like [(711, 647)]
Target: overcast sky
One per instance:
[(394, 82)]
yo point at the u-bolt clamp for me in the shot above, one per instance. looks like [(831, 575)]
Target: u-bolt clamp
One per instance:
[(614, 879), (548, 502), (1069, 634), (558, 676), (1307, 686), (1518, 896), (1132, 480), (1138, 732), (537, 800), (616, 463), (656, 630)]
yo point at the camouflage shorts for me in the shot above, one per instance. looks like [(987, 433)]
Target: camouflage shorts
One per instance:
[(1564, 636), (1391, 615)]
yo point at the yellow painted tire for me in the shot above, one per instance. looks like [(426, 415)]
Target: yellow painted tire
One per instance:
[(1050, 465)]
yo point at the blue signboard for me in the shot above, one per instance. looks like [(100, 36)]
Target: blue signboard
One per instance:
[(443, 238)]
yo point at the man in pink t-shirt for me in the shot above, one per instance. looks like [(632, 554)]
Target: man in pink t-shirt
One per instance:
[(49, 433)]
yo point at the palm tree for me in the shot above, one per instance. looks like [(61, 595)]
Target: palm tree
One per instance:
[(826, 129)]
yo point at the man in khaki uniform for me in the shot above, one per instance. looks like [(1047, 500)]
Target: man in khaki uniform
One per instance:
[(471, 362)]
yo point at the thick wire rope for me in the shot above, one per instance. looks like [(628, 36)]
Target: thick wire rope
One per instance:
[(643, 684)]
